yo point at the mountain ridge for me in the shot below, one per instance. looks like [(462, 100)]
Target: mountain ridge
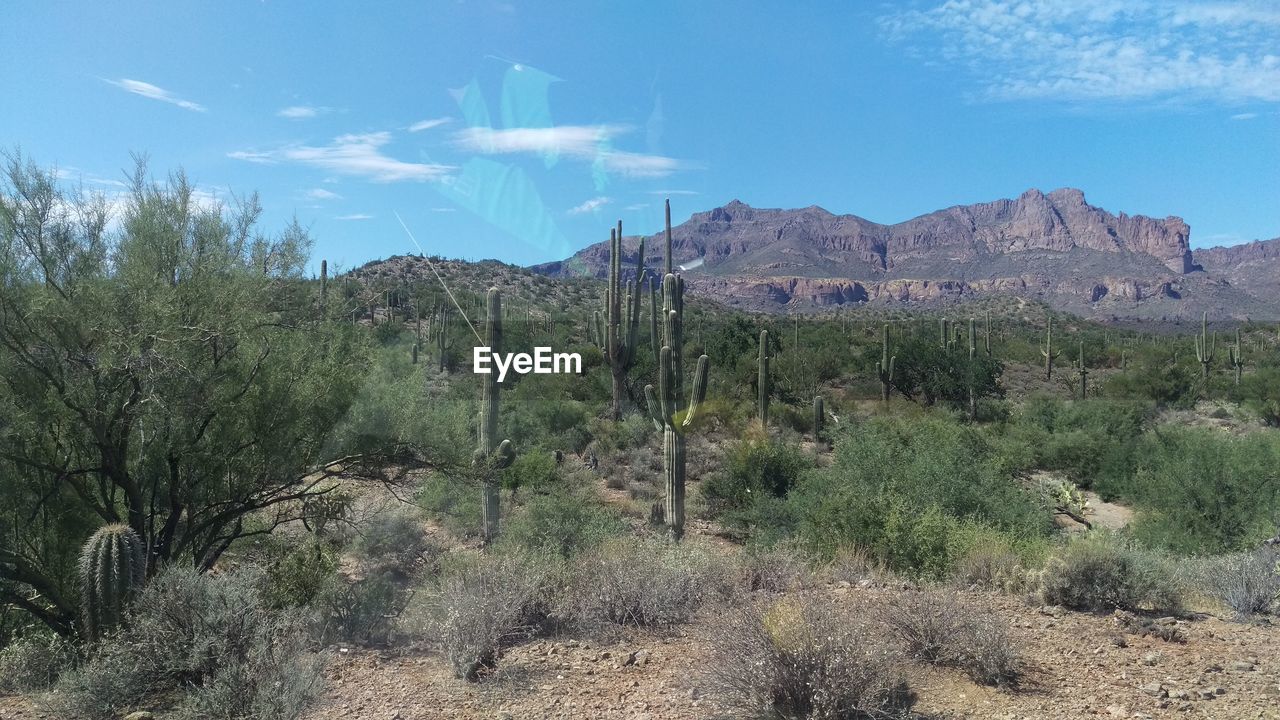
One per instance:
[(1052, 246)]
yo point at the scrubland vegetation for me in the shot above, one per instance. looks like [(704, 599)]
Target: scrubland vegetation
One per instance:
[(217, 469)]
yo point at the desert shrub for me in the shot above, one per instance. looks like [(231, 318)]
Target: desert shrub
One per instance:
[(479, 605), (984, 557), (800, 657), (361, 611), (939, 628), (1084, 439), (562, 523), (775, 569), (454, 503), (1103, 572), (1248, 582), (34, 662), (643, 583), (207, 645), (755, 467), (1203, 491), (900, 488), (394, 541), (534, 470), (1259, 391), (299, 574), (630, 432), (1158, 380)]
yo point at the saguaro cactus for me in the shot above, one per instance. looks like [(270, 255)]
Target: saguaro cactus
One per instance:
[(1047, 350), (665, 405), (1083, 372), (973, 355), (324, 281), (944, 334), (623, 317), (491, 455), (884, 368), (1205, 346), (654, 340), (1235, 353), (762, 379), (443, 342), (986, 333), (113, 567), (819, 415)]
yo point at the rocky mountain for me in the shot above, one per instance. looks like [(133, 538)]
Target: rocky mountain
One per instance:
[(1054, 247)]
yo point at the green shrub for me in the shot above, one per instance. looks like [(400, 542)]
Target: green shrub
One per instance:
[(755, 467), (297, 577), (938, 628), (454, 503), (535, 469), (1102, 573), (644, 583), (205, 646), (805, 657), (1203, 491), (34, 662), (561, 523), (394, 541), (905, 489)]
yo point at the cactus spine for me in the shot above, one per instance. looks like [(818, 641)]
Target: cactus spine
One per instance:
[(1235, 353), (884, 368), (762, 379), (1047, 350), (113, 567), (491, 455), (1205, 346), (623, 317)]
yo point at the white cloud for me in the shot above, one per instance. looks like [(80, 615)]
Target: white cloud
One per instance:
[(582, 142), (674, 192), (1244, 116), (428, 124), (358, 155), (321, 194), (354, 216), (590, 206), (302, 112), (637, 206), (147, 90), (1119, 50)]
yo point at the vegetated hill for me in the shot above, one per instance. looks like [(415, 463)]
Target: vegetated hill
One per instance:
[(1054, 247)]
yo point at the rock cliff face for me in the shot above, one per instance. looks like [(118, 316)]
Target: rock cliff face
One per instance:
[(1054, 246)]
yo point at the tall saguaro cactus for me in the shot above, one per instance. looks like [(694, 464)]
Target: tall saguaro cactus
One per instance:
[(1205, 346), (973, 355), (986, 333), (666, 404), (113, 567), (443, 342), (491, 455), (819, 415), (884, 368), (1083, 371), (324, 281), (1047, 350), (762, 379), (623, 317), (654, 339), (1235, 353)]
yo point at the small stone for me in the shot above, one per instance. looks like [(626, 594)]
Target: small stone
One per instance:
[(1117, 711), (140, 715), (1179, 695), (1242, 666), (641, 658), (1150, 659), (1155, 689)]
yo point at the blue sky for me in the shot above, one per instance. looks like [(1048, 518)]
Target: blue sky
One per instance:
[(523, 130)]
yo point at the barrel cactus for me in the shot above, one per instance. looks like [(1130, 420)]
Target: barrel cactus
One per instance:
[(113, 567)]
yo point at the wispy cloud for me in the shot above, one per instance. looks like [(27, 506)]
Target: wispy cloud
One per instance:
[(428, 124), (637, 206), (147, 90), (302, 112), (321, 194), (592, 143), (444, 209), (357, 155), (674, 192), (1244, 116), (591, 205), (354, 216), (1118, 50)]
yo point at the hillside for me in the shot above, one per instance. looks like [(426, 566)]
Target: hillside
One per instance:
[(1051, 246)]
